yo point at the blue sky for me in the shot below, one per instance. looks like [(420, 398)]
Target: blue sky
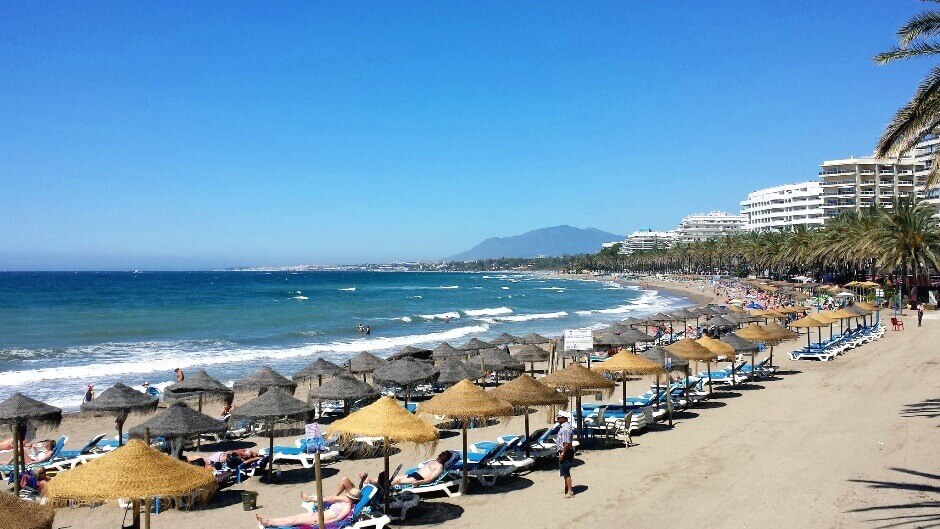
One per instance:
[(139, 135)]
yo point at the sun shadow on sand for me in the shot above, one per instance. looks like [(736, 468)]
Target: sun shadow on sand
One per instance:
[(502, 486), (298, 475), (929, 408), (722, 394), (916, 514), (431, 513), (709, 405)]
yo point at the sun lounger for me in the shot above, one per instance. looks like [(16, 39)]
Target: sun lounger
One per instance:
[(71, 458), (299, 454), (362, 515), (6, 470), (448, 482), (485, 468)]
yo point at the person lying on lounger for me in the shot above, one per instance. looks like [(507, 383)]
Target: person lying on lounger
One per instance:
[(336, 512), (346, 485), (426, 473), (39, 453)]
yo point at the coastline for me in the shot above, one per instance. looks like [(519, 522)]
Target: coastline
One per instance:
[(683, 290)]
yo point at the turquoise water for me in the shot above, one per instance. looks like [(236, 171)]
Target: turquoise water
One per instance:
[(62, 331)]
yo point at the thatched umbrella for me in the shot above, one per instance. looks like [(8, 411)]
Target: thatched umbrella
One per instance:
[(345, 388), (719, 349), (386, 419), (134, 471), (453, 370), (316, 370), (781, 332), (669, 360), (809, 322), (178, 423), (19, 412), (265, 378), (364, 362), (756, 333), (574, 379), (627, 363), (534, 339), (120, 400), (465, 401), (498, 360), (473, 346), (531, 353), (405, 372), (526, 391), (273, 407), (22, 514), (445, 350), (199, 386), (612, 340), (631, 321), (741, 346), (410, 351), (506, 339)]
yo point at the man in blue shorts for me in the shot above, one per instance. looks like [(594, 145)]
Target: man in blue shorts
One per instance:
[(565, 450)]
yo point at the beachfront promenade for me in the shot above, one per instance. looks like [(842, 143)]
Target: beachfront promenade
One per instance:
[(846, 443)]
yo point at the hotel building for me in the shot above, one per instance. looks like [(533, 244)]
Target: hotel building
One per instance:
[(705, 226), (784, 207)]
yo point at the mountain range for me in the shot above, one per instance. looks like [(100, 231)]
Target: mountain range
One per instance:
[(548, 242)]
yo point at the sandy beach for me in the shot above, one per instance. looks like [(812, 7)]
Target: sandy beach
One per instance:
[(846, 443)]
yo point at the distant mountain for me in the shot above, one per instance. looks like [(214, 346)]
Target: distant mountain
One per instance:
[(550, 242)]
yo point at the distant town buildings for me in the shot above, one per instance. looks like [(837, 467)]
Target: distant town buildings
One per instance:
[(647, 239), (784, 207), (713, 225)]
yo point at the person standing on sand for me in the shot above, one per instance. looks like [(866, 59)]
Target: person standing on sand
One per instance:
[(565, 451), (179, 374), (89, 393), (920, 313)]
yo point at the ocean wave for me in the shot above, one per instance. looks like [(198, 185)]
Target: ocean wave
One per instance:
[(350, 289), (155, 357), (441, 316), (557, 289), (301, 298), (505, 288), (527, 317), (451, 287), (488, 312), (406, 319)]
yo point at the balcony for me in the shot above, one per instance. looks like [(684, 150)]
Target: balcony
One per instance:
[(905, 182)]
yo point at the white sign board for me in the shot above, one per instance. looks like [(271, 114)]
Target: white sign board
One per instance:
[(579, 340), (879, 293)]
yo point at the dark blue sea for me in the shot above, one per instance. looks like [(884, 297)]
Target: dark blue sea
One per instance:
[(60, 331)]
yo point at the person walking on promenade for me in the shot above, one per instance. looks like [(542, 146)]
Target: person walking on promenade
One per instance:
[(920, 313), (565, 451)]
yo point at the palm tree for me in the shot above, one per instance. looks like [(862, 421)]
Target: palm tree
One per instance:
[(909, 236), (920, 117)]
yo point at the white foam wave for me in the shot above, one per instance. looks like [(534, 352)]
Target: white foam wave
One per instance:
[(406, 319), (301, 298), (527, 317), (350, 289), (441, 316), (505, 288), (451, 287), (488, 312), (557, 289), (155, 357)]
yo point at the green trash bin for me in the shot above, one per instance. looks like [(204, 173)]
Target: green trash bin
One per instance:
[(249, 500)]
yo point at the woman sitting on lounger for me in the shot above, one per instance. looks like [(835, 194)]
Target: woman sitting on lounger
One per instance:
[(39, 453), (336, 512), (426, 473)]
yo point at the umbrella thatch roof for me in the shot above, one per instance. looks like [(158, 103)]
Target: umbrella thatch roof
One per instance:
[(364, 362), (133, 471), (740, 344), (855, 310), (866, 305), (781, 332), (631, 321), (265, 378), (614, 328), (534, 339), (682, 314), (659, 355), (179, 421), (411, 351), (719, 321), (385, 418), (343, 387), (195, 384), (611, 339), (464, 400), (637, 335), (756, 333), (474, 344), (691, 350), (628, 363), (527, 391), (22, 514), (531, 353), (404, 372), (807, 322), (121, 399), (498, 360), (506, 339), (317, 369), (20, 409), (576, 377), (272, 406), (717, 347), (453, 370), (661, 317), (445, 350)]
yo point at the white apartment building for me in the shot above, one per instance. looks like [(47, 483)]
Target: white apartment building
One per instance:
[(647, 239), (712, 225), (784, 207)]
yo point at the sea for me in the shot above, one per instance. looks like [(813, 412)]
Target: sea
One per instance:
[(60, 331)]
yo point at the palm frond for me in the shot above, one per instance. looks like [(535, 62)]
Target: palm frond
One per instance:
[(913, 119), (919, 49), (921, 25)]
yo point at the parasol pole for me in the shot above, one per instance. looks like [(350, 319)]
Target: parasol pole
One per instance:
[(271, 451), (577, 404), (387, 484), (16, 459), (527, 448), (708, 366), (463, 468), (623, 385), (199, 437), (119, 422), (318, 471), (319, 402), (147, 501)]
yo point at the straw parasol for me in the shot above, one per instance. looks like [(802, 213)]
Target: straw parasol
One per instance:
[(526, 391), (179, 421), (445, 350), (120, 400), (719, 349), (627, 363), (465, 401), (574, 379), (781, 332), (386, 419), (134, 471), (810, 322), (531, 353), (410, 351), (690, 350), (756, 333), (200, 386), (364, 362), (405, 372), (719, 321), (613, 340), (265, 378), (273, 407), (534, 339), (18, 412), (669, 360), (498, 360), (473, 345), (506, 339), (22, 514), (316, 370), (453, 370), (345, 388)]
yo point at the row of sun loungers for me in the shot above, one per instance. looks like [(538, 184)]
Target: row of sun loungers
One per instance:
[(839, 344)]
